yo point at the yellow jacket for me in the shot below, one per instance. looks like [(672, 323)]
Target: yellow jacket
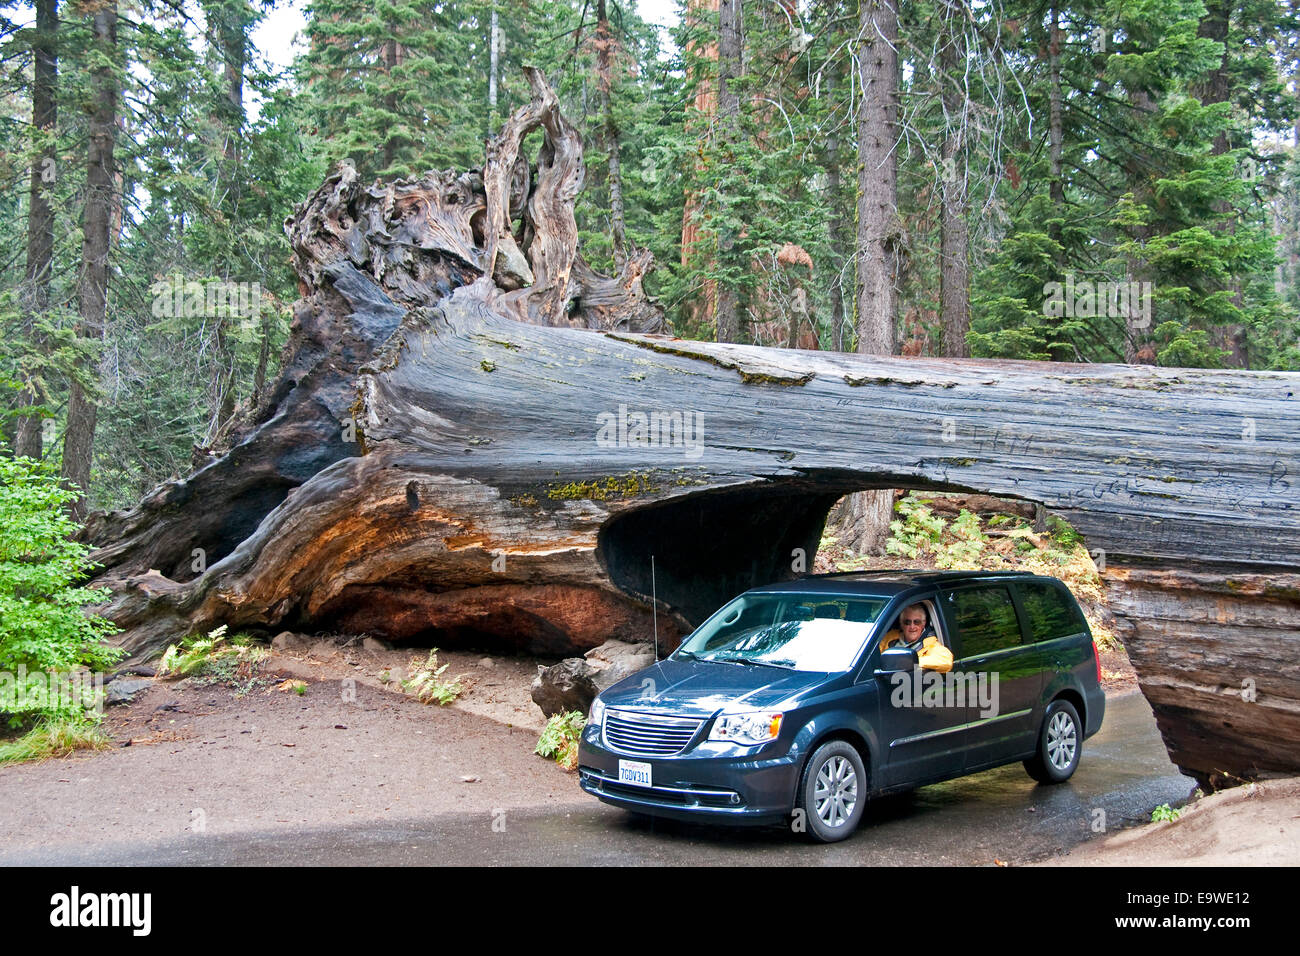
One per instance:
[(933, 656)]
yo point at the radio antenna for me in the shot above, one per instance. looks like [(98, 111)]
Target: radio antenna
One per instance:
[(654, 604)]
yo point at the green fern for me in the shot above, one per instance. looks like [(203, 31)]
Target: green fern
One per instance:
[(427, 683), (560, 738)]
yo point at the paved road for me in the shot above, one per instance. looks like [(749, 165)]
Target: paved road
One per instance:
[(1000, 814)]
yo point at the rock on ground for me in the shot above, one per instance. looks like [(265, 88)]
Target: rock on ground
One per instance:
[(574, 683)]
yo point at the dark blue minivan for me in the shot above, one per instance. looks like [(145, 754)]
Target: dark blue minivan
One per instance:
[(806, 698)]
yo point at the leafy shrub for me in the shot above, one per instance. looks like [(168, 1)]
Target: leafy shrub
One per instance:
[(427, 683), (560, 738), (965, 552), (1164, 812), (43, 629), (918, 530), (1063, 531)]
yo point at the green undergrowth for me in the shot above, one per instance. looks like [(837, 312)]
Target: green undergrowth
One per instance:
[(560, 737), (55, 737), (921, 538), (1165, 813), (215, 659)]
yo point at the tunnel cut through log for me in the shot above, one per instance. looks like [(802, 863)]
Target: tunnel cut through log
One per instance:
[(710, 547)]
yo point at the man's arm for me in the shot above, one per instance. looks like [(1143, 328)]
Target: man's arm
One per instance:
[(934, 656)]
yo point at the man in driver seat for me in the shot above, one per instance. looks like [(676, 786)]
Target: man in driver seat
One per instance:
[(916, 635)]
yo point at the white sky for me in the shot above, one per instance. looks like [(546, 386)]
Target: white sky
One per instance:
[(278, 35)]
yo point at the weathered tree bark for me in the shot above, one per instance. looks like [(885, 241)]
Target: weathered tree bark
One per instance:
[(864, 517), (430, 468), (878, 226), (97, 220)]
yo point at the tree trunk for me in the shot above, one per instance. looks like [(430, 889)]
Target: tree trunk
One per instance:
[(263, 360), (228, 35), (838, 218), (1216, 88), (1137, 336), (730, 47), (700, 309), (606, 47), (1055, 127), (390, 102), (40, 221), (867, 519), (494, 65), (878, 226), (954, 243), (92, 280), (1056, 160)]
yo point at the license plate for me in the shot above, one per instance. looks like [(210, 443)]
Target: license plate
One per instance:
[(634, 772)]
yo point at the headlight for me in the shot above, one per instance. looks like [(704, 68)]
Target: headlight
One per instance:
[(755, 727), (597, 712)]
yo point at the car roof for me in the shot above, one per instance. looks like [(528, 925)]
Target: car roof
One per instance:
[(883, 583)]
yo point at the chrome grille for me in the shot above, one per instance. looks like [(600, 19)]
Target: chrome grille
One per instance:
[(649, 735)]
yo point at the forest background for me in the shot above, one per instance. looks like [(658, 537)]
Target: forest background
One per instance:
[(1094, 181)]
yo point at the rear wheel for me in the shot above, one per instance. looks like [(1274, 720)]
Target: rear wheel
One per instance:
[(1060, 741), (833, 793)]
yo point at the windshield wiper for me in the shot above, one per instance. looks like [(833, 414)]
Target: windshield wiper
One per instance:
[(785, 666)]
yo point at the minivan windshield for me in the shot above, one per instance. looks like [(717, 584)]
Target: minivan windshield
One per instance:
[(804, 632)]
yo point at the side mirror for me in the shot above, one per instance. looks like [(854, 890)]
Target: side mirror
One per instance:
[(896, 659)]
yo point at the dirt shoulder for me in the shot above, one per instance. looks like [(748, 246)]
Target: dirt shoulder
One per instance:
[(189, 757), (1253, 825)]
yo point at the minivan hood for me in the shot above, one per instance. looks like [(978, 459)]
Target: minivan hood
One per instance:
[(702, 688)]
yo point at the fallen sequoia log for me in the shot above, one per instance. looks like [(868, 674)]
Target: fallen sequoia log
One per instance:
[(477, 440)]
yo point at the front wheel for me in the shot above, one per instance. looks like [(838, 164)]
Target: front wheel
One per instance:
[(833, 793), (1060, 742)]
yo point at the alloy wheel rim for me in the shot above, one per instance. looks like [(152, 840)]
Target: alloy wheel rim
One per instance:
[(1061, 740), (836, 792)]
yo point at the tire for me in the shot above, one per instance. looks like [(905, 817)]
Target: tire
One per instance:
[(1060, 743), (833, 792)]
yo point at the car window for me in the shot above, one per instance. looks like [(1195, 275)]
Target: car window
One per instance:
[(801, 632), (1052, 613), (933, 627), (985, 619)]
